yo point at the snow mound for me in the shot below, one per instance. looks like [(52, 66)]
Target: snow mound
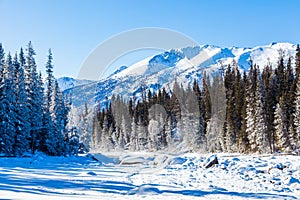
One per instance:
[(129, 160), (144, 190), (104, 159)]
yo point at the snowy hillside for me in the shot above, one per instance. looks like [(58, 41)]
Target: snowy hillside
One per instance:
[(65, 83), (150, 176), (184, 65)]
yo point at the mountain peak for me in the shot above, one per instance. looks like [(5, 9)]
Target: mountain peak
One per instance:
[(185, 65)]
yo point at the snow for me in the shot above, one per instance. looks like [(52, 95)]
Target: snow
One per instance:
[(136, 69), (145, 175), (65, 83)]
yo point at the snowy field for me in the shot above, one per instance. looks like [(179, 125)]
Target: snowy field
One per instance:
[(150, 176)]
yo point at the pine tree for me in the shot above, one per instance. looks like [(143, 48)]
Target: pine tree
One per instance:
[(2, 100), (281, 129), (260, 145), (250, 110), (231, 125), (8, 115), (133, 137), (34, 98), (85, 137), (297, 114), (58, 117), (243, 142), (22, 113), (289, 92), (270, 83), (280, 77), (49, 79)]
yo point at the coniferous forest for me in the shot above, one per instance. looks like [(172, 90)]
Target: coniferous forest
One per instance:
[(257, 111), (33, 113)]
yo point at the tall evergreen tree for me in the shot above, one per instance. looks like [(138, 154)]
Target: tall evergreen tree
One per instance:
[(280, 73), (281, 130), (34, 97), (8, 109), (58, 117), (260, 130), (22, 112), (49, 79), (297, 115), (270, 83), (2, 100)]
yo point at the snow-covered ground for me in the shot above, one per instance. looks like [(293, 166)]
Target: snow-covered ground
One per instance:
[(150, 176)]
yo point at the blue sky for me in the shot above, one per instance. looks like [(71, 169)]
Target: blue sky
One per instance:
[(74, 28)]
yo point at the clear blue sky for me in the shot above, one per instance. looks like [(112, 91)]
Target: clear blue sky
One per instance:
[(73, 28)]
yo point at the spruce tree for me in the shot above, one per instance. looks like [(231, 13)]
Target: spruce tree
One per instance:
[(8, 116), (243, 143), (34, 97), (85, 137), (2, 100), (297, 115), (22, 112), (250, 109), (49, 79), (282, 140), (58, 117), (260, 130)]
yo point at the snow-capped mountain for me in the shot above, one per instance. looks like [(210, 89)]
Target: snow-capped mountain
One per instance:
[(183, 65), (65, 83)]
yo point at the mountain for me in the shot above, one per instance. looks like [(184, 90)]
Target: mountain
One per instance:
[(65, 83), (183, 65)]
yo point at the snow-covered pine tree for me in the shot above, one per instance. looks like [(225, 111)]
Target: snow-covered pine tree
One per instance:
[(46, 142), (133, 136), (8, 117), (142, 135), (58, 118), (260, 130), (96, 132), (2, 100), (85, 137), (243, 142), (282, 142), (280, 75), (34, 97), (230, 139), (230, 134), (289, 96), (49, 79), (297, 113), (22, 113), (122, 136), (250, 110), (270, 83), (168, 132), (154, 131)]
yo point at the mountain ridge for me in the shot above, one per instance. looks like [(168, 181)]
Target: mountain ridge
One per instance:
[(184, 65)]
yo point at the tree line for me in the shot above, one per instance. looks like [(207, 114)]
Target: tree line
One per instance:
[(229, 111), (32, 118)]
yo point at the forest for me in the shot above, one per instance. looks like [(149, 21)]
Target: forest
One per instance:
[(231, 110), (257, 111), (33, 113)]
